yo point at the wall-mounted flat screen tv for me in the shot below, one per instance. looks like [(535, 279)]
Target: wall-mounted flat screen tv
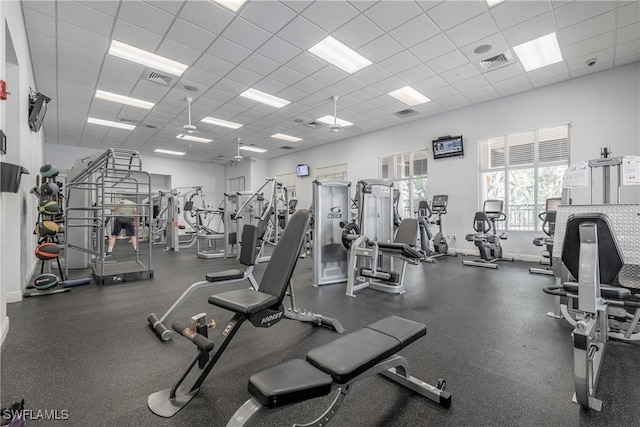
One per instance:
[(37, 110), (448, 146), (302, 170)]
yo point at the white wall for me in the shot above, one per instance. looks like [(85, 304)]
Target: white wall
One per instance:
[(18, 212), (602, 108)]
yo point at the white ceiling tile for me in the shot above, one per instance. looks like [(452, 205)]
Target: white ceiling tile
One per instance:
[(432, 48), (400, 62), (415, 74), (85, 17), (270, 86), (588, 29), (146, 16), (136, 36), (454, 102), (627, 49), (229, 51), (362, 5), (171, 7), (427, 85), (115, 65), (447, 62), (627, 34), (532, 29), (380, 48), (89, 56), (629, 14), (550, 81), (82, 37), (441, 92), (306, 63), (108, 83), (389, 15), (216, 66), (302, 33), (230, 86), (309, 85), (462, 72), (207, 15), (269, 15), (414, 31), (503, 73), (330, 15), (471, 83), (620, 61), (246, 34), (451, 13), (510, 13), (371, 74), (512, 85), (357, 32), (297, 5), (472, 30), (46, 7), (329, 75), (578, 11), (244, 76), (389, 84), (366, 93), (45, 59), (40, 22), (260, 64), (200, 77), (190, 35), (347, 85), (551, 71), (109, 7), (286, 75), (279, 50), (291, 94), (149, 91), (178, 52), (86, 72), (42, 42), (586, 47)]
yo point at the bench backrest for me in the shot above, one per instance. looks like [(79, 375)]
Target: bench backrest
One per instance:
[(249, 248)]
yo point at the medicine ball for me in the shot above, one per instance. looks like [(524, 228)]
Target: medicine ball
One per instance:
[(49, 171), (48, 207), (47, 251), (47, 228), (46, 281), (49, 188)]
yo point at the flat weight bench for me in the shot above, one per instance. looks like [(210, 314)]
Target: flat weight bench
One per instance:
[(338, 365)]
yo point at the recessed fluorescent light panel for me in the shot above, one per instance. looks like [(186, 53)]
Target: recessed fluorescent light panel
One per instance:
[(234, 5), (539, 53), (220, 122), (410, 96), (148, 59), (265, 98), (110, 123), (286, 137), (330, 120), (343, 57), (254, 149), (492, 3), (175, 153), (101, 94), (193, 138)]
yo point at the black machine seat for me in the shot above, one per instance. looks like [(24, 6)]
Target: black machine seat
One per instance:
[(219, 276), (481, 222), (290, 382), (610, 257), (405, 240), (248, 255), (605, 291), (400, 249), (243, 301), (343, 360)]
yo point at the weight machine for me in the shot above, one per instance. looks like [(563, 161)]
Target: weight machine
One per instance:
[(548, 218)]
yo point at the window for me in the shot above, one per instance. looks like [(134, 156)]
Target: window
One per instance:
[(337, 172), (408, 171), (235, 184), (524, 169), (288, 181)]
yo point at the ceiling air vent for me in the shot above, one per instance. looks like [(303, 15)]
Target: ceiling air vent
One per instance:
[(314, 125), (403, 114), (130, 121), (162, 79), (286, 147), (495, 61)]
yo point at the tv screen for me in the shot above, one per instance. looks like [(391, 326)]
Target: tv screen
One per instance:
[(448, 146), (37, 110), (302, 170)]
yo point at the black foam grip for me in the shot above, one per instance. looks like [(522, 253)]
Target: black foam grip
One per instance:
[(201, 341), (159, 328)]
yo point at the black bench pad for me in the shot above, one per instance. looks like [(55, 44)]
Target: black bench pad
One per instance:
[(219, 276), (605, 291), (243, 301), (351, 355), (290, 382)]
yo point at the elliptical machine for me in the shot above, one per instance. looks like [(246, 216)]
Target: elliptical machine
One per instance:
[(548, 218), (426, 214), (486, 238)]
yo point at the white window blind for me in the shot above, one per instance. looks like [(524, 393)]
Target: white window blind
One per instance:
[(338, 172)]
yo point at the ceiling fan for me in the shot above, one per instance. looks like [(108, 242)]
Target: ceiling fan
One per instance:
[(237, 157), (189, 128), (335, 127)]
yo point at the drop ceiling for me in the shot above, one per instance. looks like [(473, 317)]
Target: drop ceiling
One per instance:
[(428, 45)]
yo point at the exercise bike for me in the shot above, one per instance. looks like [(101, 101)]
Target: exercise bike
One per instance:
[(426, 214), (548, 218), (486, 237)]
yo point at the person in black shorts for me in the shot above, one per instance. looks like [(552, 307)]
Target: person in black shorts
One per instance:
[(125, 219)]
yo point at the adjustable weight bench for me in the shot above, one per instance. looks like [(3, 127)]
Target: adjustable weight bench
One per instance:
[(338, 365)]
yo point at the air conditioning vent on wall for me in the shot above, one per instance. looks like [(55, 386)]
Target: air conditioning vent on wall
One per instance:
[(162, 79), (496, 61)]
